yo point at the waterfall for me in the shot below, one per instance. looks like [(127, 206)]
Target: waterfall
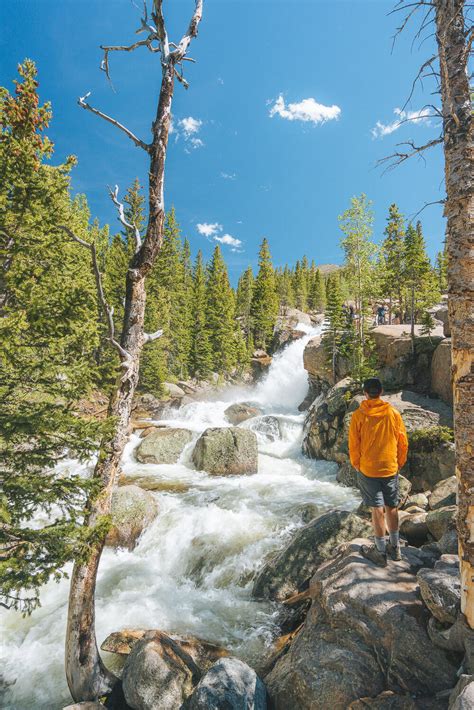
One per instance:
[(192, 570)]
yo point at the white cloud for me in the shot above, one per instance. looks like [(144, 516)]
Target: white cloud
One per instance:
[(229, 240), (385, 129), (209, 230), (228, 176), (190, 126), (305, 110)]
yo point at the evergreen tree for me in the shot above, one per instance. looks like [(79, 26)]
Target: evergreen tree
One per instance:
[(317, 292), (300, 286), (220, 313), (49, 333), (201, 351), (284, 288), (418, 275), (264, 301), (391, 266), (442, 270), (243, 306), (333, 331), (359, 249), (188, 288)]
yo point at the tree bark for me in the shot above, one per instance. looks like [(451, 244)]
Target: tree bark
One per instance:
[(87, 676), (459, 209)]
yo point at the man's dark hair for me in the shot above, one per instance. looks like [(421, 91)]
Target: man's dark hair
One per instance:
[(373, 387)]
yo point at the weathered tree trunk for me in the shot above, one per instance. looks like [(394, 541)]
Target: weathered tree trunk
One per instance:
[(459, 209), (87, 676)]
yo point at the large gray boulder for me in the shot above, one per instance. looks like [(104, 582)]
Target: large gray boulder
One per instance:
[(413, 528), (230, 450), (231, 685), (240, 412), (440, 588), (365, 634), (158, 674), (462, 697), (133, 509), (444, 493), (441, 379), (316, 364), (289, 571), (431, 457), (163, 445), (441, 520), (398, 367)]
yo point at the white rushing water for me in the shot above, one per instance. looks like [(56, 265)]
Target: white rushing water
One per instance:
[(192, 569)]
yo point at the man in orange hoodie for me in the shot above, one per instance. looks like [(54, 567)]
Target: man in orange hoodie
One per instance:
[(378, 448)]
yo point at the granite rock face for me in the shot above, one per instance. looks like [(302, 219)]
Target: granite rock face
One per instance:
[(163, 445), (289, 571), (441, 381), (440, 588), (365, 634), (230, 684)]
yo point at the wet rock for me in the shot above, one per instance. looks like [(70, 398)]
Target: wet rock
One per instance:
[(441, 380), (364, 634), (309, 512), (288, 572), (316, 364), (223, 451), (173, 390), (440, 588), (443, 494), (268, 426), (203, 653), (260, 362), (347, 475), (158, 673), (154, 483), (462, 697), (385, 701), (229, 684), (87, 705), (413, 528), (163, 446), (441, 520), (240, 412), (133, 509)]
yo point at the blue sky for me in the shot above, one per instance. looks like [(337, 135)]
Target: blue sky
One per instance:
[(275, 133)]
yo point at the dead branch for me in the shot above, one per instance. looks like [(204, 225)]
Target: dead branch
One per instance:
[(399, 157), (419, 77), (121, 212), (427, 204), (139, 143), (104, 65), (149, 337), (192, 31), (108, 310)]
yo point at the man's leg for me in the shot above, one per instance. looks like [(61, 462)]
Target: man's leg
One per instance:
[(378, 524), (371, 490), (391, 499)]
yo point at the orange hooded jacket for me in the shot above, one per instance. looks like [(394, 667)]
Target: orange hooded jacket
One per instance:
[(378, 444)]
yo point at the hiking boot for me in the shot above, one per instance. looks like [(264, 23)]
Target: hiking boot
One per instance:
[(394, 552), (371, 553)]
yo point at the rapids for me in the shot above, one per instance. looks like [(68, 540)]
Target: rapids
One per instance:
[(192, 569)]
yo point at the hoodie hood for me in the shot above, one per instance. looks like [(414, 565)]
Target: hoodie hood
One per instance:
[(375, 407)]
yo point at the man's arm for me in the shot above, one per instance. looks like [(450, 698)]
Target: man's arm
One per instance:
[(354, 441), (402, 444)]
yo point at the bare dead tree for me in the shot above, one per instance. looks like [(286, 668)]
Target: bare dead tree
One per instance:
[(87, 676), (454, 32)]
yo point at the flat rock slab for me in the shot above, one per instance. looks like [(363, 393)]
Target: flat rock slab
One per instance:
[(440, 588), (364, 634), (163, 446)]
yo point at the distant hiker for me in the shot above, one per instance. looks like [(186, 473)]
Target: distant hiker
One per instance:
[(378, 449), (381, 315)]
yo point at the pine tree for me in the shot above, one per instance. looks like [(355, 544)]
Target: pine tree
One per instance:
[(187, 303), (300, 286), (333, 332), (243, 306), (359, 249), (317, 292), (419, 277), (442, 270), (201, 351), (264, 301), (48, 336), (220, 314), (391, 266)]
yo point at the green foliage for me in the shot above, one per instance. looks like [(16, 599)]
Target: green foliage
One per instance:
[(336, 324), (317, 291), (264, 307), (390, 270), (243, 306), (441, 269), (220, 313), (49, 334), (201, 351), (428, 440)]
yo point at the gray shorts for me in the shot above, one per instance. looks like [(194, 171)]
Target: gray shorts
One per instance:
[(377, 492)]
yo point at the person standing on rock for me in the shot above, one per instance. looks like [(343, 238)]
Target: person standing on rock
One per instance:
[(378, 448)]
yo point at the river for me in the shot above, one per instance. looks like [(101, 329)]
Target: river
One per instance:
[(193, 567)]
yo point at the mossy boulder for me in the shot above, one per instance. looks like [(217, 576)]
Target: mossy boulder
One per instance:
[(133, 509), (224, 451), (163, 445)]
